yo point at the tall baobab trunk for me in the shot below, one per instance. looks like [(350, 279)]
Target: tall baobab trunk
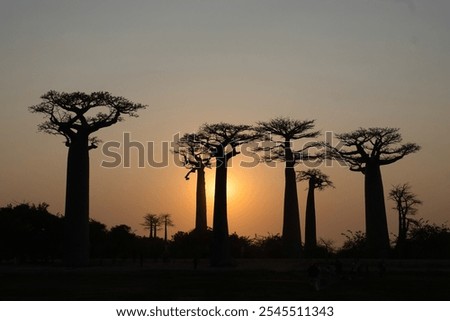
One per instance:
[(77, 203), (155, 227), (291, 216), (200, 212), (402, 229), (401, 226), (221, 254), (310, 219), (376, 222), (165, 229)]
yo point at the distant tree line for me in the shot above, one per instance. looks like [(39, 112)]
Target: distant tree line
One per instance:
[(31, 234)]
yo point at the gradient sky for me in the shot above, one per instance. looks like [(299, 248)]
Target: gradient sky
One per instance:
[(344, 63)]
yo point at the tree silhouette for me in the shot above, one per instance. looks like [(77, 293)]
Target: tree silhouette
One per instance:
[(316, 180), (289, 130), (166, 220), (405, 204), (355, 245), (152, 223), (73, 116), (196, 157), (222, 141), (365, 151), (29, 232), (98, 234), (428, 240), (122, 242)]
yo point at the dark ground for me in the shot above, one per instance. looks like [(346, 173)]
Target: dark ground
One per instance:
[(285, 280)]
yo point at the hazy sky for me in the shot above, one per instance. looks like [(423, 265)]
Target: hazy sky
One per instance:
[(345, 63)]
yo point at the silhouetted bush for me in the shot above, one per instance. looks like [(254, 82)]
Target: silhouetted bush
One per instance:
[(428, 241), (29, 233), (98, 235), (242, 247), (355, 245), (269, 246), (320, 251), (191, 245), (122, 243)]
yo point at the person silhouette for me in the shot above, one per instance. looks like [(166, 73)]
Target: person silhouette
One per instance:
[(314, 276)]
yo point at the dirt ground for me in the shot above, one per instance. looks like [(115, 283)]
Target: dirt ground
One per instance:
[(286, 280)]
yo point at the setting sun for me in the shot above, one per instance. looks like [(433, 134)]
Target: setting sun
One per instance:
[(233, 189)]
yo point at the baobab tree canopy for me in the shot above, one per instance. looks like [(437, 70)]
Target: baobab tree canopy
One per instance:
[(70, 114), (405, 200), (222, 139), (317, 177), (374, 144), (289, 128), (283, 131), (193, 152)]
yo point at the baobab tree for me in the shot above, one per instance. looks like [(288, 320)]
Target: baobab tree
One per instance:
[(223, 141), (195, 156), (316, 180), (284, 132), (167, 221), (365, 151), (152, 223), (76, 116), (406, 205)]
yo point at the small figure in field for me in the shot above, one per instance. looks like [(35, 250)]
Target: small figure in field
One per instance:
[(314, 276)]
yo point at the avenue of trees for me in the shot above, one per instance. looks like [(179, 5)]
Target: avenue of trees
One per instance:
[(76, 116)]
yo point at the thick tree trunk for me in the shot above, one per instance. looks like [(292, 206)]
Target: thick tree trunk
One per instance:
[(165, 230), (200, 211), (292, 242), (376, 222), (291, 237), (310, 220), (221, 253), (402, 230), (76, 251)]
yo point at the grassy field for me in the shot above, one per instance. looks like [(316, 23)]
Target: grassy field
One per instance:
[(250, 280)]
